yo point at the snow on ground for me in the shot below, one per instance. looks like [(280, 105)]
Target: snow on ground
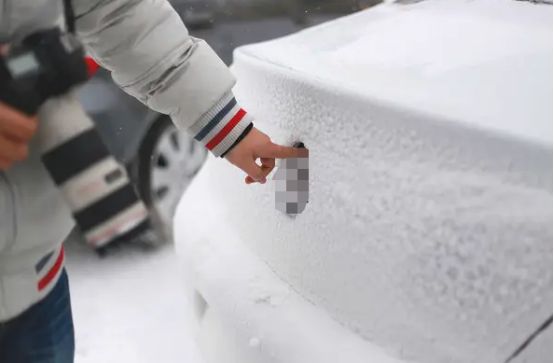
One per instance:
[(129, 307)]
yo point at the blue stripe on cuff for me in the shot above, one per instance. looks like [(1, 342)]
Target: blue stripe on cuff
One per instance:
[(42, 262), (217, 118)]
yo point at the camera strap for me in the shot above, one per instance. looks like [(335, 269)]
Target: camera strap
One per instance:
[(69, 16)]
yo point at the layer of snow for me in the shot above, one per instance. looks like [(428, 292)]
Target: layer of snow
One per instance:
[(484, 63), (130, 307), (429, 227)]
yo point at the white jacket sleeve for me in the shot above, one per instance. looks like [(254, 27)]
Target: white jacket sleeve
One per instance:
[(152, 57)]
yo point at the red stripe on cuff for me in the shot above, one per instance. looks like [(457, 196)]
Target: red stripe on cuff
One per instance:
[(52, 273), (226, 130)]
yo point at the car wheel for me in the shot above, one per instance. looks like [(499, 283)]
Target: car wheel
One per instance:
[(168, 160)]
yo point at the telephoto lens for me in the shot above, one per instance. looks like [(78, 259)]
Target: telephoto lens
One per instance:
[(96, 187), (39, 74)]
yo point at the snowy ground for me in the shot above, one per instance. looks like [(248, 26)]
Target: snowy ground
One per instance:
[(129, 306)]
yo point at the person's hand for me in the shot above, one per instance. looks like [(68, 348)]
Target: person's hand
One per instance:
[(258, 145), (16, 130)]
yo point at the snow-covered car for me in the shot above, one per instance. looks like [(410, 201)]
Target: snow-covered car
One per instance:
[(428, 234)]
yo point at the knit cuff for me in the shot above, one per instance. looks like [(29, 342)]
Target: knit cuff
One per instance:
[(220, 127), (242, 136)]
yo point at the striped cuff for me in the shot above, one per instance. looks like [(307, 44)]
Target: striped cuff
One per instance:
[(222, 125), (242, 136)]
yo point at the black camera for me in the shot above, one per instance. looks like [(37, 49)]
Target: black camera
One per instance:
[(96, 187), (44, 65)]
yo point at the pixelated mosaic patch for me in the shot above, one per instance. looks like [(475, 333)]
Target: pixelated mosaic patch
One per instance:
[(292, 185)]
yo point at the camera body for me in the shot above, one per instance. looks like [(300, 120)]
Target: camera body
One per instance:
[(95, 186), (46, 64)]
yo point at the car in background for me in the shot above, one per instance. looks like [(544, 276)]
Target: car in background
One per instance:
[(161, 160), (300, 10), (428, 233), (195, 13)]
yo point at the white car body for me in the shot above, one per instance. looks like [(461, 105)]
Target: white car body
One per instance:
[(428, 236)]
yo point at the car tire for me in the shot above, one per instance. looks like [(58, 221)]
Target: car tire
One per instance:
[(168, 161)]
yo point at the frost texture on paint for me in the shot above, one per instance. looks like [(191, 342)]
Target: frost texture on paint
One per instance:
[(429, 230)]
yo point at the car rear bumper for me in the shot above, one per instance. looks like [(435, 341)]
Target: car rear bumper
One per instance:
[(246, 313)]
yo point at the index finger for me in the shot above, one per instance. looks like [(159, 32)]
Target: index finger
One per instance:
[(282, 152)]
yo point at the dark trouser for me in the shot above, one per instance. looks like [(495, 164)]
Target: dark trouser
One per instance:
[(43, 333)]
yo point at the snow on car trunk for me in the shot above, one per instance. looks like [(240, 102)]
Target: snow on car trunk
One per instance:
[(429, 228)]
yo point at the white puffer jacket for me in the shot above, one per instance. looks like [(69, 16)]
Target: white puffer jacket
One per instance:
[(152, 57)]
